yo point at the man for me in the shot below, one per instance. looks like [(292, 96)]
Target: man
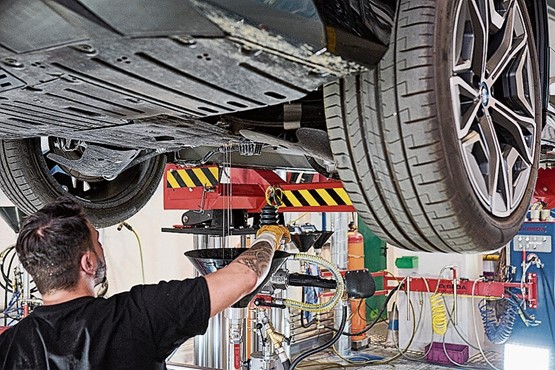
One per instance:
[(133, 330)]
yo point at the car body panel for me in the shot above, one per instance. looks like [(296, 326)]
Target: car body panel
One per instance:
[(299, 19), (88, 79), (147, 74), (85, 73)]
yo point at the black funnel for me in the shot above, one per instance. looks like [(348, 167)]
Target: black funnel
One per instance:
[(306, 236), (210, 260)]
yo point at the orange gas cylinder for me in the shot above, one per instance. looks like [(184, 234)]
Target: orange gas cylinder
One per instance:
[(355, 245)]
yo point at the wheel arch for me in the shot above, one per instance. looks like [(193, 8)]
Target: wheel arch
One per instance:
[(537, 11)]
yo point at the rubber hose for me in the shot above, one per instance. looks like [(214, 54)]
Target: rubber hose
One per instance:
[(330, 343), (498, 326), (339, 290), (439, 314)]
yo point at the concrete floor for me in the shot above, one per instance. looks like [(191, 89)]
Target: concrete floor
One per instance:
[(412, 361), (329, 360), (334, 363)]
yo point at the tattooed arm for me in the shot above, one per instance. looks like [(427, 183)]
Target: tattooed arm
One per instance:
[(244, 274), (258, 259)]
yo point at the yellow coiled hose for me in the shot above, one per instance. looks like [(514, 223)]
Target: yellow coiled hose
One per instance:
[(439, 314), (339, 290)]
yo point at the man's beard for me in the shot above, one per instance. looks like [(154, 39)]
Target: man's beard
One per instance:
[(100, 273)]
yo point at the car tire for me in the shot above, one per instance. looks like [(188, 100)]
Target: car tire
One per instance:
[(417, 139), (27, 179)]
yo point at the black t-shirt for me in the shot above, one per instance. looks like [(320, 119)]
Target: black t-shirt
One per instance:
[(132, 330)]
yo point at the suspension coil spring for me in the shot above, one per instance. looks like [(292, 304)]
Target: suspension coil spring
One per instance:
[(269, 215), (498, 318)]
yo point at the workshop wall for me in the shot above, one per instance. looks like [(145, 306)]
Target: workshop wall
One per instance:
[(7, 235), (430, 265), (162, 252), (7, 238)]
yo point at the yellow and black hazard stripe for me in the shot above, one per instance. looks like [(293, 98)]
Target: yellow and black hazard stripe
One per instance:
[(193, 177), (316, 197)]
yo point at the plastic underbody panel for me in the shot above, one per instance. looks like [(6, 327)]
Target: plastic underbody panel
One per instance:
[(139, 76)]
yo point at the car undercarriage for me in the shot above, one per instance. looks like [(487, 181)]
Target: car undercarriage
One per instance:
[(416, 106)]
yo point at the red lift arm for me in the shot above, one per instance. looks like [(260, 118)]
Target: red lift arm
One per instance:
[(204, 188), (466, 287), (460, 286)]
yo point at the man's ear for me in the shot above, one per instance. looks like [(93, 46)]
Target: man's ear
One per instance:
[(88, 263)]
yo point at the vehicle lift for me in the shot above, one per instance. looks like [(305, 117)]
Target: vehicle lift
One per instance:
[(246, 191), (220, 200)]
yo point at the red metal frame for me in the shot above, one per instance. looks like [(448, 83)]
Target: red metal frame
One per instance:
[(463, 287), (545, 187), (247, 192)]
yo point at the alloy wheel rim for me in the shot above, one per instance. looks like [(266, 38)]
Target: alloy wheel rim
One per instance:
[(492, 90)]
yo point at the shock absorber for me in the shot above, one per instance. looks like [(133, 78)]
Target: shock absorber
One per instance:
[(269, 215)]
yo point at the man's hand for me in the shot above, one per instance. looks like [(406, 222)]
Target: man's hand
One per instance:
[(279, 232)]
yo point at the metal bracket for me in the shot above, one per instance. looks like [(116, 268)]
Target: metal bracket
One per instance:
[(98, 161)]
